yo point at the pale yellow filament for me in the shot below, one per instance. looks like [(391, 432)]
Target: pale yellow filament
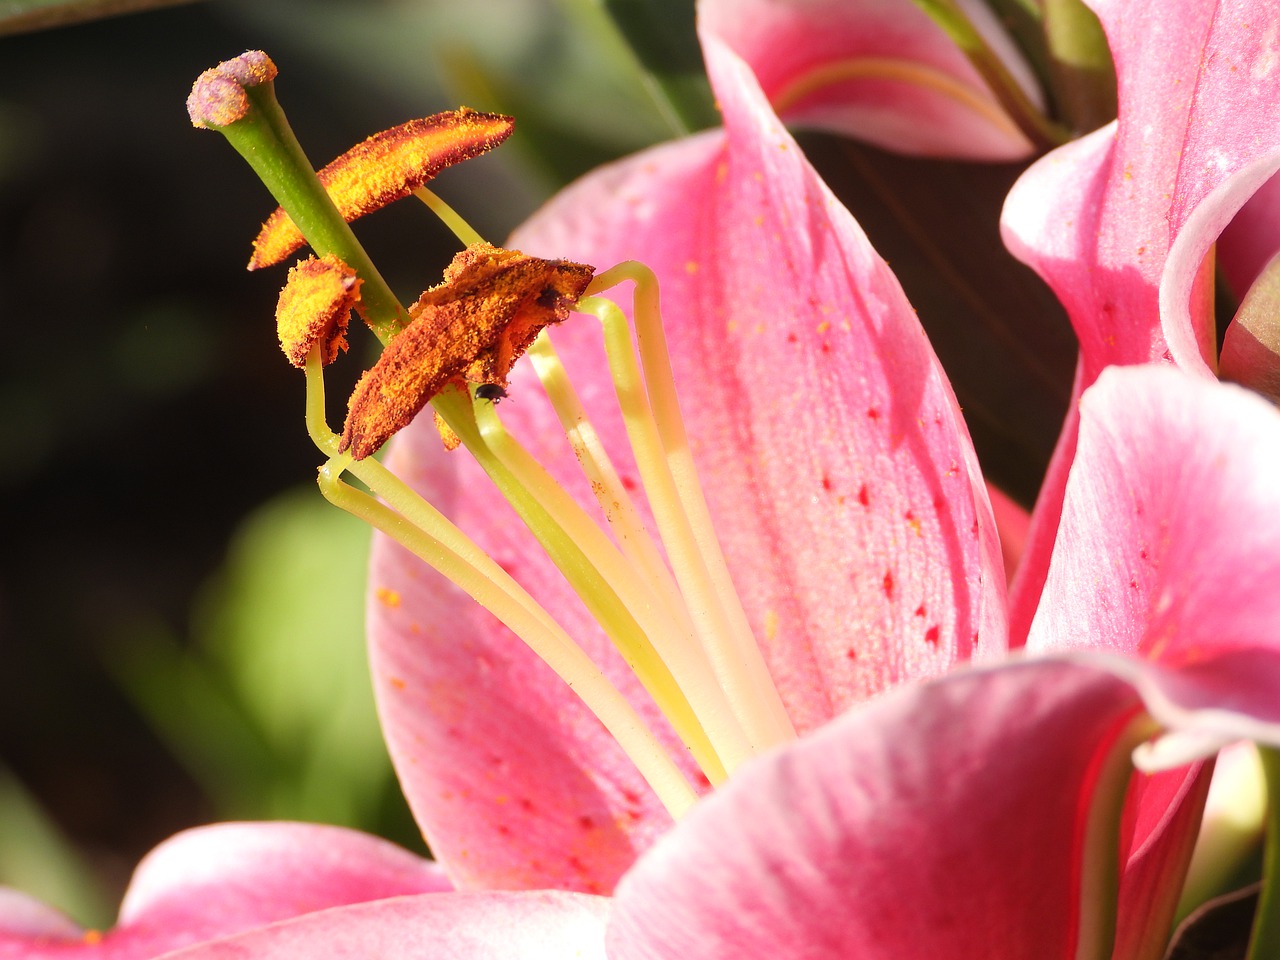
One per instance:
[(731, 646), (900, 71), (449, 217), (412, 522), (678, 647), (708, 712)]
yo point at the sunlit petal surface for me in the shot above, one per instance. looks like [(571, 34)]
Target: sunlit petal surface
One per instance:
[(840, 477), (878, 70), (939, 821), (522, 926)]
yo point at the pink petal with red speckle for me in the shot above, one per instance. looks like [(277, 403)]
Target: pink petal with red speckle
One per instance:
[(219, 880), (840, 476)]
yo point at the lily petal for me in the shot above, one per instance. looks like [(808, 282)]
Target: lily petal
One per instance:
[(1119, 223), (942, 820), (1251, 239), (214, 881), (1167, 544), (839, 472), (1166, 549), (513, 926), (878, 70)]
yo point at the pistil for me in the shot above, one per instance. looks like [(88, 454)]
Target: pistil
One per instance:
[(680, 628)]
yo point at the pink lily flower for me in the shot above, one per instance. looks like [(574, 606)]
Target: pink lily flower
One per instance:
[(977, 815), (670, 208), (854, 839), (879, 71), (677, 210), (221, 880), (1121, 223)]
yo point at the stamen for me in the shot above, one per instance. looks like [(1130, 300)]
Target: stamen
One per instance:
[(315, 308), (678, 645), (590, 564), (611, 494), (449, 217), (471, 327), (417, 526), (680, 628), (656, 429), (386, 167)]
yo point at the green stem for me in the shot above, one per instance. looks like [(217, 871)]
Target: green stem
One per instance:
[(266, 141), (1038, 128), (1264, 943), (1081, 71), (662, 35)]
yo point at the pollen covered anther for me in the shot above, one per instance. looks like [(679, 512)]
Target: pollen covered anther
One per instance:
[(471, 328), (315, 307), (387, 167)]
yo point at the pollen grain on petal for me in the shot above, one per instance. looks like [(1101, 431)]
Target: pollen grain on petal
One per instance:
[(315, 307), (471, 328), (218, 96), (386, 167)]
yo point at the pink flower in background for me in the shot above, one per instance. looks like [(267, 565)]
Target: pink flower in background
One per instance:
[(216, 881), (1120, 222), (876, 70)]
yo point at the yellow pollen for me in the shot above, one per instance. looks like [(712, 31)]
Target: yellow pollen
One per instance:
[(314, 308), (387, 167), (470, 328)]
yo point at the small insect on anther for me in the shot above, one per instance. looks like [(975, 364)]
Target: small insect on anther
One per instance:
[(491, 392)]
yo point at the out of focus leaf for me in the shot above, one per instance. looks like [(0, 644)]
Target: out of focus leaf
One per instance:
[(272, 707), (23, 16), (37, 859), (662, 35)]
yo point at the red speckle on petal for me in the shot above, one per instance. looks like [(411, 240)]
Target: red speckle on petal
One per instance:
[(888, 584), (792, 338), (586, 822), (628, 483), (851, 654), (931, 635), (873, 414), (527, 805), (864, 496), (826, 482), (920, 610), (632, 797)]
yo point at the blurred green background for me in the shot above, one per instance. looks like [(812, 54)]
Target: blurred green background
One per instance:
[(180, 613)]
